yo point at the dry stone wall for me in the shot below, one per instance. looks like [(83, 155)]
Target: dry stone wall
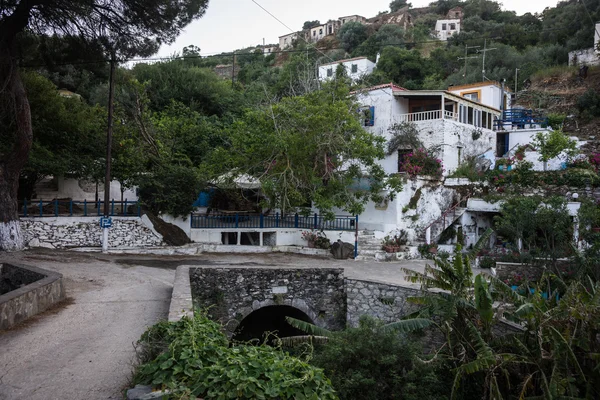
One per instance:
[(387, 303), (86, 232)]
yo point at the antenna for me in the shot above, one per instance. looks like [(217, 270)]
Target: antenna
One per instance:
[(484, 51), (466, 57)]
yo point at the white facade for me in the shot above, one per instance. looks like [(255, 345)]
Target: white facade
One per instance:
[(286, 41), (590, 56), (352, 18), (356, 68), (446, 28), (486, 93), (268, 50), (317, 33), (455, 133)]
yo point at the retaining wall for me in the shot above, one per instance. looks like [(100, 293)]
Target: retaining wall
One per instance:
[(66, 232), (46, 289)]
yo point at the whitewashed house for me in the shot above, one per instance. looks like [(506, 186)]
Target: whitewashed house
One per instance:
[(589, 56), (286, 41), (446, 28), (457, 126), (356, 68), (490, 93)]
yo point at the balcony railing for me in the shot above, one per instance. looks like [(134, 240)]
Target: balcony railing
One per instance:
[(427, 116)]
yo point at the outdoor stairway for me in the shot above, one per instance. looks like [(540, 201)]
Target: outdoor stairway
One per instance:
[(369, 248), (442, 223)]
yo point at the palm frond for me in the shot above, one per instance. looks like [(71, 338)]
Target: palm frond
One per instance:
[(526, 385), (482, 349), (307, 327), (456, 384), (558, 336), (525, 310), (483, 299), (480, 364), (292, 341), (506, 291), (480, 243), (407, 325)]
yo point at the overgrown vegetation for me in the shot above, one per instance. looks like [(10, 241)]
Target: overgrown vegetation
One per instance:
[(192, 358)]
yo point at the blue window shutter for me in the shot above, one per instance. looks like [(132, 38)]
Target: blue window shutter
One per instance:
[(372, 116)]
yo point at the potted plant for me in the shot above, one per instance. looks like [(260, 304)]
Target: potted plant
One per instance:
[(316, 239), (394, 242)]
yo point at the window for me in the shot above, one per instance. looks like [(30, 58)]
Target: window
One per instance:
[(354, 68), (314, 33), (457, 14), (367, 115), (330, 29), (343, 21), (443, 27), (330, 72), (470, 115), (452, 27), (471, 96), (402, 157), (321, 31), (285, 40)]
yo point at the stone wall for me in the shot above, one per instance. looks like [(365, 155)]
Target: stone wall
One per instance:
[(387, 303), (12, 278), (235, 292), (69, 232), (29, 300)]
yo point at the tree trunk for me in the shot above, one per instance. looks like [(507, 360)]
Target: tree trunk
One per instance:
[(15, 107)]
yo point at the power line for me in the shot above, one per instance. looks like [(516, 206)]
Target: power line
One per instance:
[(230, 54)]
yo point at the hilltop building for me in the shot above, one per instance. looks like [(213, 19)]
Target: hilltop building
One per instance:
[(589, 56), (455, 13), (446, 28), (401, 18), (356, 68), (286, 41)]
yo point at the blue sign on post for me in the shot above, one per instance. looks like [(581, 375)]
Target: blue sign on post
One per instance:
[(105, 222)]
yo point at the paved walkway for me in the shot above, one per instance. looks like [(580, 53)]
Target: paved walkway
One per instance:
[(84, 350)]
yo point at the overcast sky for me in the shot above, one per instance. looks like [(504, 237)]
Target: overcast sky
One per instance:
[(234, 24)]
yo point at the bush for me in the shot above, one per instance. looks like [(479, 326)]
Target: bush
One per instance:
[(487, 262), (192, 357), (589, 103), (370, 364), (422, 162)]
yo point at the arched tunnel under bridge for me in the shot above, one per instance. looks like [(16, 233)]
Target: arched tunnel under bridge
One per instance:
[(269, 322)]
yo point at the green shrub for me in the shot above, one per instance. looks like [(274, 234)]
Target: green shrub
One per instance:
[(368, 363), (192, 357), (589, 103), (487, 262)]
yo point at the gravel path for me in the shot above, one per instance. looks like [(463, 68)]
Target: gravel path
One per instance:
[(84, 349)]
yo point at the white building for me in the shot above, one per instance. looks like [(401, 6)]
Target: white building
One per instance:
[(457, 126), (589, 56), (352, 18), (356, 68), (490, 93), (269, 49), (446, 28), (286, 41)]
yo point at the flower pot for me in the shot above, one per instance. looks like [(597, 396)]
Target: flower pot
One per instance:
[(311, 244), (391, 249)]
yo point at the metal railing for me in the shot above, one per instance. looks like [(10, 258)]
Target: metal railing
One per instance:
[(520, 119), (261, 221), (70, 208), (427, 116)]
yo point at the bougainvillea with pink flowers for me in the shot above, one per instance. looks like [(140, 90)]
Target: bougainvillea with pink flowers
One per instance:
[(422, 162)]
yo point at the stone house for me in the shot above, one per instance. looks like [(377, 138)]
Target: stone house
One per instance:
[(401, 18), (286, 41), (352, 18)]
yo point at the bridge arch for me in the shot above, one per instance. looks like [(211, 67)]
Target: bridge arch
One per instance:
[(269, 319)]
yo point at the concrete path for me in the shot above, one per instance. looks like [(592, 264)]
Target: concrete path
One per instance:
[(84, 350)]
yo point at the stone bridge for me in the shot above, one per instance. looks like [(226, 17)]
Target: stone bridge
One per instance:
[(250, 301)]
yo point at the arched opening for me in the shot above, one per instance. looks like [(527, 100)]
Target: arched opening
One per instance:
[(270, 319)]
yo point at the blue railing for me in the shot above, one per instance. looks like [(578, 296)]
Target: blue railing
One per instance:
[(520, 119), (261, 221), (56, 208)]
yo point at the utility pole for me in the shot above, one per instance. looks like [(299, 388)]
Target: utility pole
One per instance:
[(466, 57), (106, 222), (233, 70), (484, 51), (516, 81)]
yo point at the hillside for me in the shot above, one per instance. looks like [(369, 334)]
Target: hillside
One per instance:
[(556, 92)]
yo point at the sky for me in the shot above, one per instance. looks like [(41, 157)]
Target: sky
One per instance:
[(235, 24)]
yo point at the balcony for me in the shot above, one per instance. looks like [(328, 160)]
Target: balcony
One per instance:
[(427, 116)]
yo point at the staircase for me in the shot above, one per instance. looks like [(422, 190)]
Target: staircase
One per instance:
[(448, 217), (369, 248)]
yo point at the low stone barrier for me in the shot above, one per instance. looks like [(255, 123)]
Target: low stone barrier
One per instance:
[(32, 291), (68, 232)]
